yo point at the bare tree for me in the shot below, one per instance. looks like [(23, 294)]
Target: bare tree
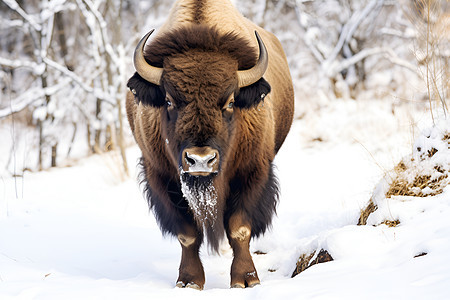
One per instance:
[(96, 86)]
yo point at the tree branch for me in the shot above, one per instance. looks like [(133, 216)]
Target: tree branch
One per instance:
[(318, 56), (29, 97), (99, 94), (15, 64), (349, 29), (387, 52), (30, 19)]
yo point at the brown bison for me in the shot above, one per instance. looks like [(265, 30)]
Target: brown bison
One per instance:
[(210, 105)]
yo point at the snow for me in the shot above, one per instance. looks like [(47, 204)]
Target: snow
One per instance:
[(83, 232)]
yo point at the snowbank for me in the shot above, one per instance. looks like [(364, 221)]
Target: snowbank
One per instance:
[(82, 233)]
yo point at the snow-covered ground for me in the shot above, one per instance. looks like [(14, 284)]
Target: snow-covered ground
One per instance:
[(83, 233)]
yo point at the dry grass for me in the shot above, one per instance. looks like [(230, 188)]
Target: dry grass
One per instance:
[(365, 213), (306, 260), (302, 263), (432, 20), (391, 223), (422, 185), (113, 161), (434, 185)]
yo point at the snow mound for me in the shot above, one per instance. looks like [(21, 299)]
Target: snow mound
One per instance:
[(407, 213), (424, 173)]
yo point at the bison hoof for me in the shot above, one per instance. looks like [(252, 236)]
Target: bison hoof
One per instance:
[(254, 284), (250, 280), (192, 285), (242, 286)]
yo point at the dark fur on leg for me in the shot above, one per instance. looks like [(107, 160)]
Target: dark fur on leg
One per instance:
[(170, 212), (260, 210)]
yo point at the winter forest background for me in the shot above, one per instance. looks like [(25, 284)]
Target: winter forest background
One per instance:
[(64, 64)]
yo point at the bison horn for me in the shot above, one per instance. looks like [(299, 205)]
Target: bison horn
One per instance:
[(250, 76), (148, 72)]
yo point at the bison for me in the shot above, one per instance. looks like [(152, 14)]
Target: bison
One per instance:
[(210, 105)]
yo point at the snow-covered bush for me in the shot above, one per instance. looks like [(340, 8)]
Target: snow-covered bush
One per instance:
[(424, 173)]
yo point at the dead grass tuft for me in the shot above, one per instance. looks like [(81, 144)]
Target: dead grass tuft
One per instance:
[(432, 152), (365, 213), (302, 263), (391, 223), (424, 173), (434, 186), (306, 260)]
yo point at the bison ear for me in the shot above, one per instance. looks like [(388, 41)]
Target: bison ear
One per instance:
[(145, 92), (253, 94)]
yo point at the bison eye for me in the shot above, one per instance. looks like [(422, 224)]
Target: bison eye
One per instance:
[(229, 104), (228, 109), (169, 101)]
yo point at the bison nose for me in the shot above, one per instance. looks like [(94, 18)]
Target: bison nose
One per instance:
[(200, 161)]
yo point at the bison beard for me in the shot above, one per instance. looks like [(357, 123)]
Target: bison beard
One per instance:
[(201, 196)]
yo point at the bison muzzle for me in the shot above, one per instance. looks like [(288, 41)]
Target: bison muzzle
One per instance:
[(210, 105)]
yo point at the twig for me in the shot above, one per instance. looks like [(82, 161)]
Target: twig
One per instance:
[(349, 29), (388, 54), (428, 45), (316, 53), (30, 20), (13, 137), (30, 97), (15, 64)]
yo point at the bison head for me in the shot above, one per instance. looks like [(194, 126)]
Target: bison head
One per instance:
[(201, 82)]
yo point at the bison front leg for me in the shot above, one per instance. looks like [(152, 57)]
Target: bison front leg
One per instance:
[(243, 272), (191, 273)]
